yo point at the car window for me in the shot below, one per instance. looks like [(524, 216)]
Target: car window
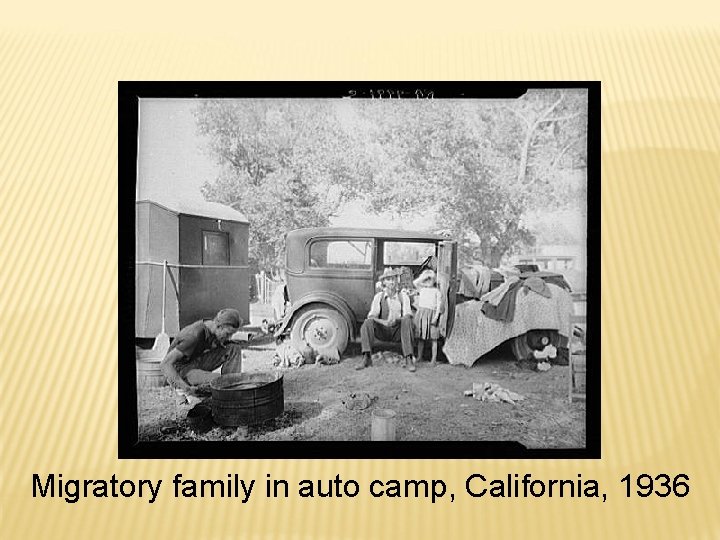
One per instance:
[(341, 254), (407, 253)]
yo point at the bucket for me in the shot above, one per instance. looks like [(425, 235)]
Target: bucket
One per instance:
[(247, 398), (199, 418), (147, 369), (383, 425)]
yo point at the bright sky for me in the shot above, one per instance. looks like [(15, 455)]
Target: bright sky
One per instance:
[(171, 158)]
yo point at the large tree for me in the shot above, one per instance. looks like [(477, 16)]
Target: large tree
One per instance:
[(478, 166), (280, 203), (448, 158), (280, 159), (549, 128)]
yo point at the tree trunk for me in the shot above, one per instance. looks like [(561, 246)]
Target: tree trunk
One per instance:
[(532, 126), (524, 151), (495, 257), (492, 256)]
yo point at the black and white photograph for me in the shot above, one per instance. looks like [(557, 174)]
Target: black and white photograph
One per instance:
[(358, 263)]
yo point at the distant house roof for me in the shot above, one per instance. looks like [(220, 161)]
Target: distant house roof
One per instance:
[(207, 209)]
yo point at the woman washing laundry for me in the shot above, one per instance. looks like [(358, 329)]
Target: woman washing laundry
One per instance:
[(429, 307)]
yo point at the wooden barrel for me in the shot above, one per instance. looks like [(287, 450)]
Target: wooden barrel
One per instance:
[(147, 368), (383, 425), (247, 398)]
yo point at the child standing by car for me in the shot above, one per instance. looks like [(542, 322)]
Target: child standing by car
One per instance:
[(429, 307)]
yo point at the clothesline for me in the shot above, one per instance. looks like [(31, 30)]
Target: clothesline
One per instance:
[(211, 266)]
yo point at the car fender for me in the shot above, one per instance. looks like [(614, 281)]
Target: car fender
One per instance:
[(327, 298)]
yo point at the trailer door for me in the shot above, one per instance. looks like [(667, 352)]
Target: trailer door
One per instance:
[(447, 281)]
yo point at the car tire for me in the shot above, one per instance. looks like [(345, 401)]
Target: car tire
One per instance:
[(320, 327), (562, 358), (524, 344)]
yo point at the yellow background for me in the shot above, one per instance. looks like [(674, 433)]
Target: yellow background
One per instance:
[(59, 67)]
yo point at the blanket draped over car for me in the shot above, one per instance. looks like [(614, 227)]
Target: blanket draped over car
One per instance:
[(474, 334)]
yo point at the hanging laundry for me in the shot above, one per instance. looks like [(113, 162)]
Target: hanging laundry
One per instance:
[(504, 310)]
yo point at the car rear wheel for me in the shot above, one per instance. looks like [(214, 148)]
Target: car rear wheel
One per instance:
[(320, 327)]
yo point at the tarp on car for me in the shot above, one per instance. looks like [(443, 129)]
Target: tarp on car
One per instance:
[(474, 334)]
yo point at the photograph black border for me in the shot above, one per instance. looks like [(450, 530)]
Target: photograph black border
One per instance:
[(129, 447)]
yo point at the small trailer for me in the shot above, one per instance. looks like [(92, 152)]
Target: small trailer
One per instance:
[(204, 247)]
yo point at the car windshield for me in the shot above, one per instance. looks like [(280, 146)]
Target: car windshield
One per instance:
[(407, 253)]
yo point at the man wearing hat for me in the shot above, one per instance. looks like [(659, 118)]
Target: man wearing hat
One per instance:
[(389, 319), (202, 347)]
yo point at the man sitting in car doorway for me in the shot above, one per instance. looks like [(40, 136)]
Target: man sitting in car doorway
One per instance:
[(389, 319)]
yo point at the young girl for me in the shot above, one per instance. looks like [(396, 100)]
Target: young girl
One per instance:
[(429, 307)]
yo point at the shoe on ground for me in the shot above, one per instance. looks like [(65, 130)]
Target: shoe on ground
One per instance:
[(367, 362), (411, 363)]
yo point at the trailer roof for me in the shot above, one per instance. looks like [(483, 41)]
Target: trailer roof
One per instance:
[(200, 208)]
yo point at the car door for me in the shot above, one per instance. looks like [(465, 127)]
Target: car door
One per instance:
[(447, 282), (342, 266)]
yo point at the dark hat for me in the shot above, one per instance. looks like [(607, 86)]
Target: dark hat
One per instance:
[(389, 273), (229, 317)]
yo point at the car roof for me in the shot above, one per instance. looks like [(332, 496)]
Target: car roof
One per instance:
[(302, 235)]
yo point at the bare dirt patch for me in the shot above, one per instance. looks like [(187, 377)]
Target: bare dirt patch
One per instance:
[(429, 403)]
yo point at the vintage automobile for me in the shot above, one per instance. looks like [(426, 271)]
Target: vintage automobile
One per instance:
[(331, 276)]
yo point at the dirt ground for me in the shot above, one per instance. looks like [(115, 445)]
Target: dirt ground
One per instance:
[(429, 403)]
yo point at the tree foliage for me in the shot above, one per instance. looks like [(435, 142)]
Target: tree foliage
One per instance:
[(279, 160), (476, 166)]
